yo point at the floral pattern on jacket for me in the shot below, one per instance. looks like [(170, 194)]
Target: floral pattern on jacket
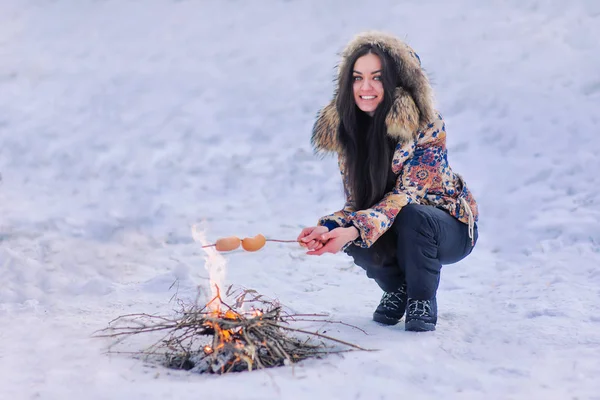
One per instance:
[(423, 177)]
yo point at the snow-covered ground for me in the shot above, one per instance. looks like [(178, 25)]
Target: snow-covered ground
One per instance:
[(122, 123)]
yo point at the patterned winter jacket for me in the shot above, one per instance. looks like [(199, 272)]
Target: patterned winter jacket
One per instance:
[(420, 157)]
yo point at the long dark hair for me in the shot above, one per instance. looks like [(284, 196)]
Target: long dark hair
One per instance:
[(368, 150)]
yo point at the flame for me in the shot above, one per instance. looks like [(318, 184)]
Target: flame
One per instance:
[(225, 335), (222, 336), (228, 339), (215, 265), (230, 315)]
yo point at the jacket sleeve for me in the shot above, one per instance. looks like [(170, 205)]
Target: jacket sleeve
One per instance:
[(417, 173), (343, 217)]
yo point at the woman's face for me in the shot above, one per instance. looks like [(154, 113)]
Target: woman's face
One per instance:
[(367, 84)]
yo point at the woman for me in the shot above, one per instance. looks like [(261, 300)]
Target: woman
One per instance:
[(406, 211)]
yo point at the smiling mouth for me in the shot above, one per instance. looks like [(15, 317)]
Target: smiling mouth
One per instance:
[(367, 97)]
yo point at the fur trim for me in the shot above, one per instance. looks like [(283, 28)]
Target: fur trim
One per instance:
[(413, 106), (325, 130), (402, 120)]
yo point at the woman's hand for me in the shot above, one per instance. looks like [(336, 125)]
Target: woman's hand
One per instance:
[(311, 237), (333, 241)]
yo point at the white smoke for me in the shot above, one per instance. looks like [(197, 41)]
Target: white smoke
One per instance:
[(215, 264)]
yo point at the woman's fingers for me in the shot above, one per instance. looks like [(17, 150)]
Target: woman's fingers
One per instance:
[(321, 250), (305, 232), (330, 235), (312, 236), (319, 245), (315, 244), (315, 233), (331, 246)]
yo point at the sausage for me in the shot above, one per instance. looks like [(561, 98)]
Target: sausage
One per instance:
[(228, 244), (255, 243)]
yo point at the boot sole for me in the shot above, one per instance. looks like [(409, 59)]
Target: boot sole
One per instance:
[(384, 319), (417, 325)]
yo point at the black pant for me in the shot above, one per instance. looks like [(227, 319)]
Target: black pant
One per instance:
[(413, 250)]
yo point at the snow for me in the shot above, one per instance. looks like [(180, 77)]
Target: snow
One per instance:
[(123, 123)]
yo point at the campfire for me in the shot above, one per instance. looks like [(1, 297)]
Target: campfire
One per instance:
[(251, 333), (228, 339)]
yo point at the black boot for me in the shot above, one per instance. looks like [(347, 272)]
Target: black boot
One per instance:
[(421, 315), (391, 307)]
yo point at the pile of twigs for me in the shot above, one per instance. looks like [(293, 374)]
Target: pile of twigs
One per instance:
[(230, 339)]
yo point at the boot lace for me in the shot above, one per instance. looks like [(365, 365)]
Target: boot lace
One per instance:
[(420, 308), (392, 300)]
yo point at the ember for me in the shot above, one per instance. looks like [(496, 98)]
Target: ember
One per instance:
[(206, 340)]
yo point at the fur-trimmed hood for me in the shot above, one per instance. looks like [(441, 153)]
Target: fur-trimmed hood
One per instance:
[(412, 108)]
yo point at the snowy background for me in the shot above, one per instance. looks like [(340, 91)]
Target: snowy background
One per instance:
[(123, 122)]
